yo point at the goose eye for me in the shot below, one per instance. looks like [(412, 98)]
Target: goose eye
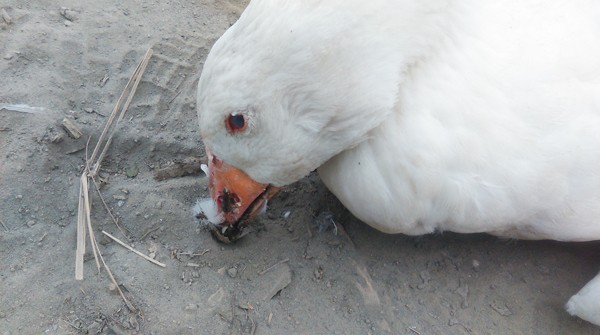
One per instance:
[(235, 123)]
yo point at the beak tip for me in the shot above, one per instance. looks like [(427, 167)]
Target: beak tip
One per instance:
[(236, 198)]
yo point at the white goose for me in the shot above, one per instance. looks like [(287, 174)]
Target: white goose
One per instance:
[(466, 116)]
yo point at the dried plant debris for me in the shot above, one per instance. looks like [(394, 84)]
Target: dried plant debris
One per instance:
[(181, 168), (71, 128)]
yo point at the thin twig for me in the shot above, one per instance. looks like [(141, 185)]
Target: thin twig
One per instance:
[(120, 108), (108, 209), (133, 250), (87, 157), (176, 95), (3, 225), (274, 265), (112, 278), (93, 165), (72, 325), (80, 251), (193, 255), (414, 330), (253, 330), (74, 151), (148, 232), (88, 220)]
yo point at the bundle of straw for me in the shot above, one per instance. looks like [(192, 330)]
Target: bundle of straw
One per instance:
[(90, 172)]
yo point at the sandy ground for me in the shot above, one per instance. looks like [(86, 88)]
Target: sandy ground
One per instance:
[(324, 281)]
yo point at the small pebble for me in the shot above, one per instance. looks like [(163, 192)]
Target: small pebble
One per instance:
[(8, 56), (191, 307), (68, 14), (132, 171), (5, 17), (232, 272)]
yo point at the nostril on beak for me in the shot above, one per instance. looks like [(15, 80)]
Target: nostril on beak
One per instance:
[(235, 200), (228, 201)]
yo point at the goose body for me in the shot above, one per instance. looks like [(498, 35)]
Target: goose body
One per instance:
[(497, 131), (470, 116)]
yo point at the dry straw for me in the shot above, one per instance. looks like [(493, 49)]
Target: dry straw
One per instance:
[(93, 163)]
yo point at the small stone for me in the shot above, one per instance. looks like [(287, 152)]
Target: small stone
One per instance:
[(8, 56), (318, 273), (191, 307), (71, 128), (501, 308), (273, 282), (132, 171), (5, 17), (94, 328), (232, 272), (57, 138), (30, 223), (19, 197), (425, 277), (120, 203), (475, 264), (68, 14), (88, 110)]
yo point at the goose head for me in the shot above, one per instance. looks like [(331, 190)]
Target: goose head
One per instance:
[(285, 89)]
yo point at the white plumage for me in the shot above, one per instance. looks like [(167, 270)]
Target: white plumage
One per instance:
[(465, 116)]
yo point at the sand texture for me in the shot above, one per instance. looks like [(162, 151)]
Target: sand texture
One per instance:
[(295, 273)]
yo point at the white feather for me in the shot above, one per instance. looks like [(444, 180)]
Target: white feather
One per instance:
[(209, 209)]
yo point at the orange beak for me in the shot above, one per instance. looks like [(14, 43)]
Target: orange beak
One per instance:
[(238, 197)]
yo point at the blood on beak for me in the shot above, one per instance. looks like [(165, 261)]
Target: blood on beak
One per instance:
[(237, 196)]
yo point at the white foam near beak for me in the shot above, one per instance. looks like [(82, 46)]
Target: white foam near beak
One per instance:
[(209, 209), (204, 169)]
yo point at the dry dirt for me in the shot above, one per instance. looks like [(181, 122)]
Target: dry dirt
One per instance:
[(74, 63)]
